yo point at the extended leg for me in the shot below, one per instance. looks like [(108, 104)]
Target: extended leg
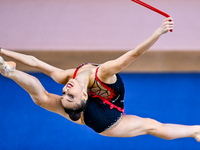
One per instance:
[(26, 81), (130, 126), (33, 86)]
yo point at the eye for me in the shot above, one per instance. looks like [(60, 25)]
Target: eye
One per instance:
[(71, 96)]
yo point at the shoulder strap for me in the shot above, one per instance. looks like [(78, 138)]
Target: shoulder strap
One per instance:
[(112, 94), (77, 69), (104, 84)]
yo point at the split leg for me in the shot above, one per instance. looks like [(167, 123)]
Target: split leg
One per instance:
[(130, 126), (33, 86)]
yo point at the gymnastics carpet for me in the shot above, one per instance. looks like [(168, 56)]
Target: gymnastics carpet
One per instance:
[(166, 97)]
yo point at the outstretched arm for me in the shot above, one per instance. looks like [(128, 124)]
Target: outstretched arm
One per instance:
[(59, 75), (112, 67)]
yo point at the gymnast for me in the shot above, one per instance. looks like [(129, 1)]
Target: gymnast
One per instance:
[(93, 94)]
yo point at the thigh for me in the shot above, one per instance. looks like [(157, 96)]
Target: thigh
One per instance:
[(130, 126)]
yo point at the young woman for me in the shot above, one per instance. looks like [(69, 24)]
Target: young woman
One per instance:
[(94, 94)]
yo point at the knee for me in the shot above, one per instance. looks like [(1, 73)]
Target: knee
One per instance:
[(158, 129), (40, 99), (37, 101), (152, 126)]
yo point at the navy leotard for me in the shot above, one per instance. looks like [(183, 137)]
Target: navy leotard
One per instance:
[(106, 104)]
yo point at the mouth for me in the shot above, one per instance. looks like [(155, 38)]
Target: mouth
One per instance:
[(69, 85)]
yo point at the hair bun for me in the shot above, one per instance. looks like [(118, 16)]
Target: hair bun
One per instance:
[(74, 116)]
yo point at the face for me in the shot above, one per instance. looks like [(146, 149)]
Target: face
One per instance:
[(72, 94)]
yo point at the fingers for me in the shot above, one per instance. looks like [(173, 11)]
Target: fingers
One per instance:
[(168, 19), (168, 23)]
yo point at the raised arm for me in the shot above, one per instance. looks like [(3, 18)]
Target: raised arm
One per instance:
[(59, 75), (112, 67)]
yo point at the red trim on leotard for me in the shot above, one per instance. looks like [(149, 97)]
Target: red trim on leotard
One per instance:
[(93, 94), (77, 69), (106, 101), (105, 86)]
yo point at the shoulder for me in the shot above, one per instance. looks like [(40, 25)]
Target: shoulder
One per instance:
[(104, 77), (98, 74)]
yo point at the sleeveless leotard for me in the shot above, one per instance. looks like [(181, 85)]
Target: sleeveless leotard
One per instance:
[(106, 103)]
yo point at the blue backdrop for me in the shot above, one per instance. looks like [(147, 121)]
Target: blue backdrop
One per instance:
[(168, 98)]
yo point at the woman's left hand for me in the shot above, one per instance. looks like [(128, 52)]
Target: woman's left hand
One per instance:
[(166, 26)]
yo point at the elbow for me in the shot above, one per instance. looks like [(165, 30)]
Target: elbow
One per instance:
[(136, 54), (33, 61), (41, 103), (138, 51), (40, 100)]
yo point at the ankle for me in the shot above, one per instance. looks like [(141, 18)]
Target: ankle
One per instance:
[(2, 63), (7, 68), (197, 133)]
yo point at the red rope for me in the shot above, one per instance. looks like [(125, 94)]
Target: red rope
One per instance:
[(151, 8)]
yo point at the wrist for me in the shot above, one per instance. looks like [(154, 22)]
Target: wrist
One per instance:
[(158, 32)]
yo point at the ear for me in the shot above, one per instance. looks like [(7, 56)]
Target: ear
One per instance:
[(85, 95)]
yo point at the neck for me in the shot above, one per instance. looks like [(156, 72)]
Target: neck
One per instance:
[(83, 81)]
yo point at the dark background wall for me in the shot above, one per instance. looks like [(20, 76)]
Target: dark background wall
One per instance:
[(169, 98)]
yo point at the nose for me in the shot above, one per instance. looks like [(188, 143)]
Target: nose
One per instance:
[(66, 89)]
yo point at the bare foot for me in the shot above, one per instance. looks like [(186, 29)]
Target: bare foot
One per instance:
[(2, 63), (6, 68), (197, 135)]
